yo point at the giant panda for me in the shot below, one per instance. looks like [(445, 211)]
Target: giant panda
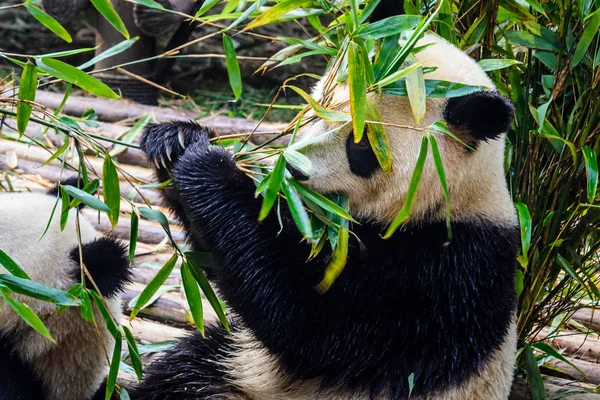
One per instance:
[(412, 316), (73, 368)]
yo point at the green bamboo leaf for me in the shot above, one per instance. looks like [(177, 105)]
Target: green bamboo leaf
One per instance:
[(337, 264), (192, 293), (536, 6), (400, 74), (70, 74), (133, 236), (111, 190), (157, 295), (413, 187), (106, 9), (441, 126), (134, 354), (299, 214), (389, 26), (201, 259), (157, 216), (112, 51), (26, 314), (115, 361), (435, 88), (206, 6), (131, 134), (255, 6), (439, 166), (65, 207), (494, 64), (90, 188), (150, 4), (358, 90), (590, 31), (322, 112), (273, 188), (415, 87), (298, 161), (27, 89), (87, 311), (233, 68), (57, 153), (536, 384), (153, 285), (38, 291), (546, 348), (525, 225), (86, 198), (196, 270), (111, 325), (49, 22), (378, 138), (530, 40), (321, 201), (11, 266), (591, 170), (276, 12), (263, 185)]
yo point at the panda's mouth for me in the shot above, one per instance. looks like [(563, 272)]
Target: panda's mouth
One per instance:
[(296, 173)]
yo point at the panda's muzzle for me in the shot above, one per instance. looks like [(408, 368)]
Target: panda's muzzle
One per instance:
[(296, 173)]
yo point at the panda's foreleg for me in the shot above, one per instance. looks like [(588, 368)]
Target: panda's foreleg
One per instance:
[(17, 380)]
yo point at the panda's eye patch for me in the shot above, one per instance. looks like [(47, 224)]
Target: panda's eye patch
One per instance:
[(363, 144), (361, 158)]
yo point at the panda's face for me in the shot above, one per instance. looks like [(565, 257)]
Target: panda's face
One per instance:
[(475, 177)]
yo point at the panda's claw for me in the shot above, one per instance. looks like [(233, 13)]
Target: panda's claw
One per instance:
[(168, 151), (181, 139), (162, 161), (156, 163)]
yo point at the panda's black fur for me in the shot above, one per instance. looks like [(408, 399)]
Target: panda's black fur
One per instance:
[(107, 262)]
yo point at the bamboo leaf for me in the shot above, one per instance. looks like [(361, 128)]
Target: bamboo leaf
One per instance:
[(298, 161), (133, 235), (131, 135), (536, 384), (38, 291), (378, 138), (321, 201), (49, 22), (106, 9), (87, 311), (337, 264), (115, 361), (112, 51), (415, 87), (299, 214), (157, 216), (206, 6), (590, 31), (525, 225), (68, 73), (358, 90), (153, 285), (327, 115), (439, 166), (400, 74), (276, 12), (25, 313), (494, 64), (530, 40), (108, 319), (591, 170), (192, 293), (12, 267), (413, 187), (196, 270), (273, 188), (389, 26), (27, 89), (86, 198), (134, 354), (233, 68), (111, 190)]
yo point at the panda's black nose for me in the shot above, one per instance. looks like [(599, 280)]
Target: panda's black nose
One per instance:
[(296, 173)]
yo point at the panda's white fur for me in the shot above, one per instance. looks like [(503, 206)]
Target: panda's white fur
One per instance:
[(74, 367), (212, 202)]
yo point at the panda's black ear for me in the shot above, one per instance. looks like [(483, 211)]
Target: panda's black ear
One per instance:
[(74, 181), (481, 115)]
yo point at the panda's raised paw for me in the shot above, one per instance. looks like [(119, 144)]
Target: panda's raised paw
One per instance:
[(165, 143)]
